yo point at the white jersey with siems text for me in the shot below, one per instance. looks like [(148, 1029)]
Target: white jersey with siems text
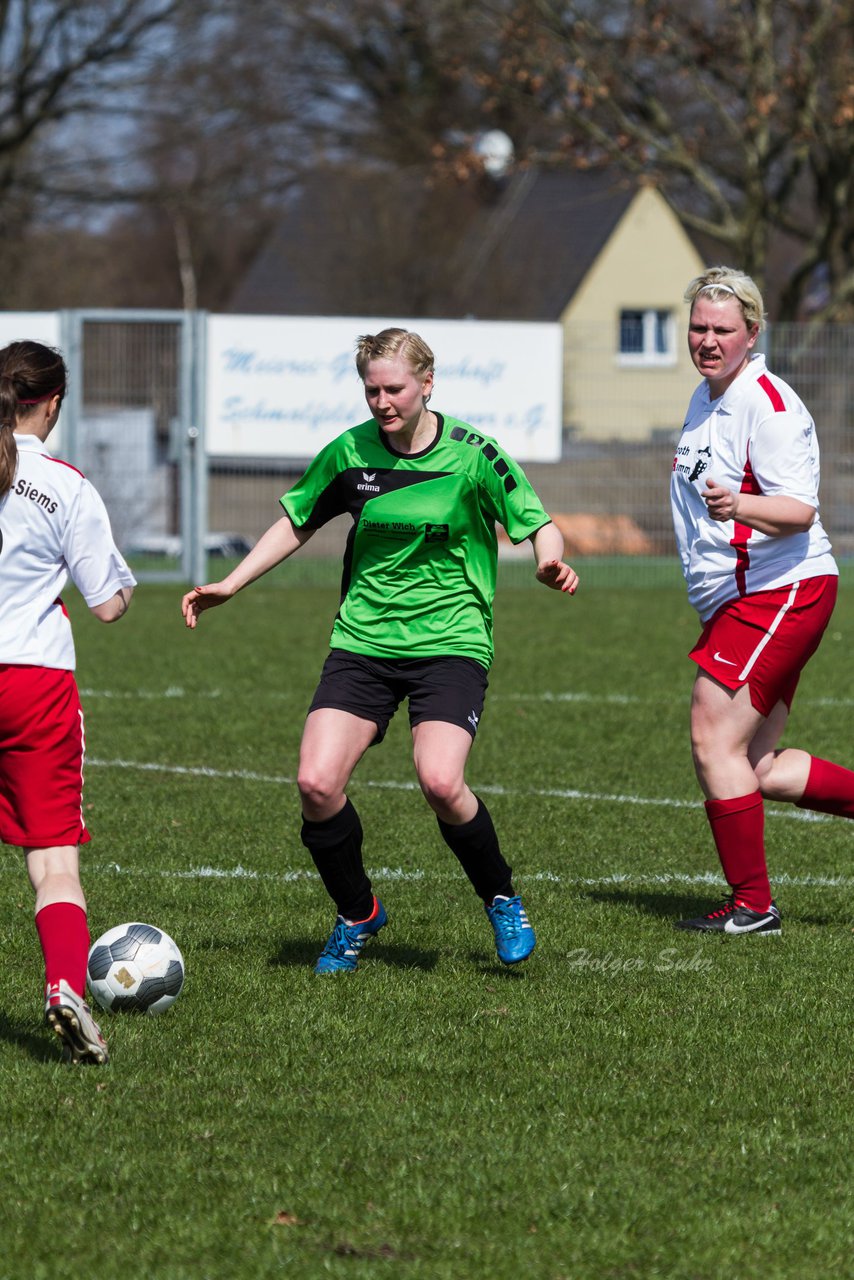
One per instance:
[(53, 524), (756, 438)]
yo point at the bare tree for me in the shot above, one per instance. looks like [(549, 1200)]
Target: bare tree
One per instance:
[(741, 111), (263, 94), (115, 112), (218, 142), (372, 99), (206, 117), (66, 61), (67, 70)]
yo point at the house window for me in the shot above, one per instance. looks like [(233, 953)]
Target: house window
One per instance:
[(647, 337)]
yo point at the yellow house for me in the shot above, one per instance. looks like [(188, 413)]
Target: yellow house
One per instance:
[(610, 261), (627, 373)]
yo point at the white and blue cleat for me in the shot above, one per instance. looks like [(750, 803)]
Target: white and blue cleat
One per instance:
[(514, 935), (345, 942)]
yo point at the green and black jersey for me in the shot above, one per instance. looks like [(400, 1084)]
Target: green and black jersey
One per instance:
[(421, 559)]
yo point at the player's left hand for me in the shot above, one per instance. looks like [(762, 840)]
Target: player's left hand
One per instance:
[(720, 502), (557, 575)]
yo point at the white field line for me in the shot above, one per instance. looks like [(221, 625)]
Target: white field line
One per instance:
[(143, 695), (630, 699), (176, 692), (547, 793), (402, 875)]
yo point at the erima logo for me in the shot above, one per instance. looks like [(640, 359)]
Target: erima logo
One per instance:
[(472, 719), (368, 486), (436, 532)]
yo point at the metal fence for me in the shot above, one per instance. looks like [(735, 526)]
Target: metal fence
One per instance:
[(135, 424)]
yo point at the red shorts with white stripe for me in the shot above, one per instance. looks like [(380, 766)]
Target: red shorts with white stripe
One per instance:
[(41, 758), (766, 639)]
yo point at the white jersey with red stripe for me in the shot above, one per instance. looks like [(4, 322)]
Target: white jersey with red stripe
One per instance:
[(53, 524), (756, 438)]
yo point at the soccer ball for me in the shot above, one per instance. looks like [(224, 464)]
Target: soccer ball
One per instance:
[(135, 968)]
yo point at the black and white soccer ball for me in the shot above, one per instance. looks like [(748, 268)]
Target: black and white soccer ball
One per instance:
[(135, 968)]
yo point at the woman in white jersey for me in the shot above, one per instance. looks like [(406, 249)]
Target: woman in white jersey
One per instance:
[(761, 575), (52, 525), (424, 491)]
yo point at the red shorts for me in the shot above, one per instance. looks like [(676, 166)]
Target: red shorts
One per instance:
[(766, 639), (41, 758)]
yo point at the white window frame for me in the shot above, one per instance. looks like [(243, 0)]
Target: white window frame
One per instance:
[(649, 357)]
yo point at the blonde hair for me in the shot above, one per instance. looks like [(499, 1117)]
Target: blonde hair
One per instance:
[(392, 342), (719, 283)]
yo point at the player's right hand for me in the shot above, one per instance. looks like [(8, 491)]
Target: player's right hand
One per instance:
[(558, 575), (200, 598)]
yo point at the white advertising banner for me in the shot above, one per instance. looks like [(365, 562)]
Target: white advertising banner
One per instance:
[(280, 387), (39, 326)]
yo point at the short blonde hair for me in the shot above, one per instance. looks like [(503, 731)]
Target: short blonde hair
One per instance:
[(392, 342), (718, 283)]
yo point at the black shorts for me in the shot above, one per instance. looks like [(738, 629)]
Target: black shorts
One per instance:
[(450, 689)]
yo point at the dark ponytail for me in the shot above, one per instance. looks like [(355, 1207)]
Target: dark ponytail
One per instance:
[(30, 373), (8, 447)]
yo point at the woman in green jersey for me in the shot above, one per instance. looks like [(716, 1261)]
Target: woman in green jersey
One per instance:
[(415, 622)]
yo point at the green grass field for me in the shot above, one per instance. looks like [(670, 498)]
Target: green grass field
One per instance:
[(633, 1102)]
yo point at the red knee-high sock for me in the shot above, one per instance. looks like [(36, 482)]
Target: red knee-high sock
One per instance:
[(829, 789), (738, 828), (64, 935)]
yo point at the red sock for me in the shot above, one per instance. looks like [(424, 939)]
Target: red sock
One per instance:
[(64, 935), (829, 789), (738, 828)]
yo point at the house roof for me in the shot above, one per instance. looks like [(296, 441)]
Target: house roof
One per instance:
[(530, 254), (520, 255), (357, 243)]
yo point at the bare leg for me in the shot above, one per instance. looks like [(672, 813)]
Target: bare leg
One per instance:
[(441, 751), (782, 775), (333, 743), (55, 875)]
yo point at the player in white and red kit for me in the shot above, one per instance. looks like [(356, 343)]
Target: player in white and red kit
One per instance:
[(762, 577), (53, 525)]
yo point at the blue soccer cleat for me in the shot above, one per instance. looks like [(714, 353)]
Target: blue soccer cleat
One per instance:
[(342, 950), (514, 936)]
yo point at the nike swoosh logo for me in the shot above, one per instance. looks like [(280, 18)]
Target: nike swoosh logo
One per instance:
[(730, 927), (718, 658)]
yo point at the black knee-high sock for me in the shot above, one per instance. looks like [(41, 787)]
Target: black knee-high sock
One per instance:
[(476, 846), (336, 848)]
